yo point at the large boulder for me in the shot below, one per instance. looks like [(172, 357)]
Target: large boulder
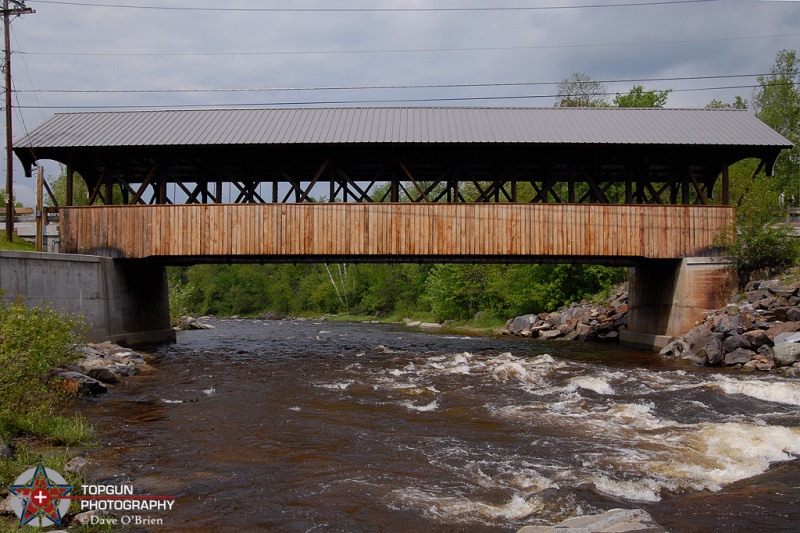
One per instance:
[(555, 319), (734, 342), (730, 325), (549, 334), (711, 350), (78, 383), (616, 520), (105, 375), (756, 338), (521, 323), (675, 348), (787, 354), (739, 356), (697, 335), (783, 327)]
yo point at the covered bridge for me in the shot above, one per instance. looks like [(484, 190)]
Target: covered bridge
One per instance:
[(428, 154), (647, 188)]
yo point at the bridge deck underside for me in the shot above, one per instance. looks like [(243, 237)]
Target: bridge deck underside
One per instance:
[(393, 232)]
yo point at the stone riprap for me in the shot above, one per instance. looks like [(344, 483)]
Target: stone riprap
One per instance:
[(760, 330), (583, 322), (101, 365)]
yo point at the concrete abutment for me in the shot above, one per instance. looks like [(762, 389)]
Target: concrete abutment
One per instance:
[(126, 301), (122, 301), (666, 297)]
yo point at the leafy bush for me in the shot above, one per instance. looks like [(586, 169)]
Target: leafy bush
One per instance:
[(34, 341), (760, 250)]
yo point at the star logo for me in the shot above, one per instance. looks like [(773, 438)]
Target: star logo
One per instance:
[(40, 497)]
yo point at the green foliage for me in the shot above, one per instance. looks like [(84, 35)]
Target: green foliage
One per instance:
[(3, 199), (738, 103), (761, 243), (33, 341), (53, 429), (451, 291), (80, 192), (639, 97), (457, 291), (180, 292), (18, 245), (391, 289), (761, 250), (777, 103)]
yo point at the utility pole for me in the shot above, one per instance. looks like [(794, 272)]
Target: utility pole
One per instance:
[(10, 8)]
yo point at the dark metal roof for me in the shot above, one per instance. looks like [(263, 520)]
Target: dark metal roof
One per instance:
[(341, 125)]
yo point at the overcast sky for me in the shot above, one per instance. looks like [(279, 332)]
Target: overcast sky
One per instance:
[(200, 53)]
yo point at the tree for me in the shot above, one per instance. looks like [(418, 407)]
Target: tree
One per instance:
[(80, 193), (738, 103), (760, 242), (639, 97), (3, 199), (777, 102), (579, 90)]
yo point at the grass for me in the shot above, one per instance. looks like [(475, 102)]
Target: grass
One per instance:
[(17, 245), (49, 429)]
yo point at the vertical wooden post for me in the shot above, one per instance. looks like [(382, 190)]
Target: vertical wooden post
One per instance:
[(70, 184), (332, 181), (109, 190), (39, 208), (395, 186), (628, 186), (685, 186), (726, 191), (162, 186), (571, 185)]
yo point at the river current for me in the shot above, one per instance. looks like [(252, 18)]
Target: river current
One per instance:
[(299, 426)]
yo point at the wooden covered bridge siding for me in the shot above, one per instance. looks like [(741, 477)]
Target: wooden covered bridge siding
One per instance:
[(392, 231)]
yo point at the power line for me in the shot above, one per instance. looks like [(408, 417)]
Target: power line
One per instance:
[(375, 10), (399, 50), (367, 102), (377, 87)]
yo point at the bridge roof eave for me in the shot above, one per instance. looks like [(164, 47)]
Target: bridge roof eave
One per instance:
[(90, 161)]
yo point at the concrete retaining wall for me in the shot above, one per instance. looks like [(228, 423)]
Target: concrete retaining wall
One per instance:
[(122, 301)]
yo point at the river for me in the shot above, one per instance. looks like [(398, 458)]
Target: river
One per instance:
[(299, 426)]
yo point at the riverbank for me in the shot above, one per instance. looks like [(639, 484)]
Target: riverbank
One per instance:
[(63, 448)]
